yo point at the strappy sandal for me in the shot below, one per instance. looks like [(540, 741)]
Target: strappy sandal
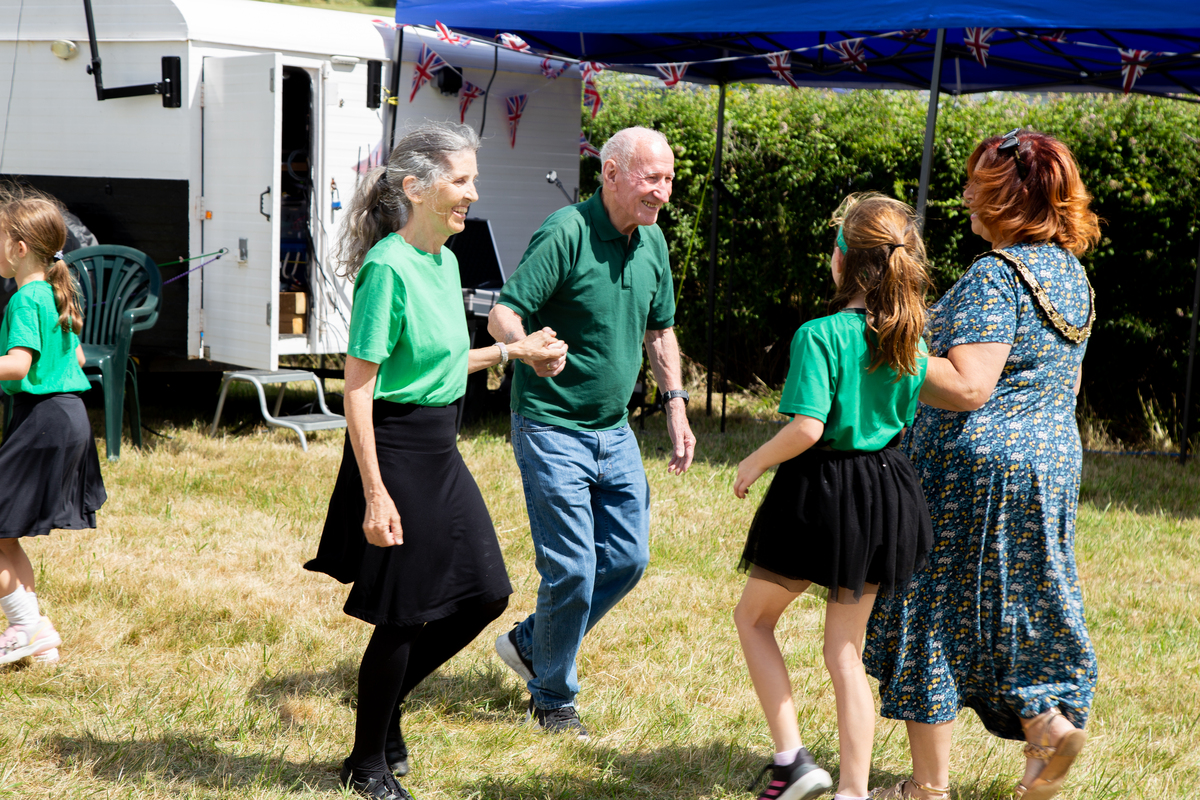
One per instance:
[(900, 792), (1058, 757)]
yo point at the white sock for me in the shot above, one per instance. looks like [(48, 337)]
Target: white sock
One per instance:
[(788, 756), (840, 796), (33, 603), (16, 608)]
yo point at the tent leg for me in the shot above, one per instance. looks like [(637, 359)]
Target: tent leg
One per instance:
[(1187, 391), (712, 241), (935, 90)]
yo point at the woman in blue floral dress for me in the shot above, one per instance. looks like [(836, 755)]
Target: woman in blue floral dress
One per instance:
[(995, 622)]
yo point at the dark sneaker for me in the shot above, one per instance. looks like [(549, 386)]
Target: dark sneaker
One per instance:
[(377, 786), (558, 720), (395, 753), (506, 648), (800, 780)]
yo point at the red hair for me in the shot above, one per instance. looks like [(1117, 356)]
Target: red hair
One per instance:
[(1050, 203)]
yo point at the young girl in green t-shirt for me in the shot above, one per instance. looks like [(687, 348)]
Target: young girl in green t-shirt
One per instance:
[(48, 459), (845, 509)]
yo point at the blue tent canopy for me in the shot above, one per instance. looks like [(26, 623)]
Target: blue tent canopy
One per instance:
[(1058, 46)]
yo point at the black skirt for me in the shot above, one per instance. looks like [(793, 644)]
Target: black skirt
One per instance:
[(49, 466), (842, 519), (450, 556)]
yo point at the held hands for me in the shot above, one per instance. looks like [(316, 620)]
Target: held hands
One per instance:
[(381, 523), (749, 470), (543, 351)]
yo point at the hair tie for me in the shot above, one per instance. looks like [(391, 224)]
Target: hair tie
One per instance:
[(892, 248), (59, 256)]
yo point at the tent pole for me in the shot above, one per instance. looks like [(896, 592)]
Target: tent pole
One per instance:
[(1187, 391), (393, 111), (712, 241), (935, 89)]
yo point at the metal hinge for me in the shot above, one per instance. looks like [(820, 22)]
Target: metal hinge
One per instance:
[(272, 79), (202, 213), (202, 94), (268, 313)]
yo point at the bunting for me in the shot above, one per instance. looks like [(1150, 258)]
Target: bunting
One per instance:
[(551, 71), (590, 69), (1133, 66), (446, 36), (781, 65), (428, 62), (850, 51), (976, 40), (591, 97), (514, 42), (586, 148), (1058, 36), (671, 74), (516, 107), (466, 95), (915, 33)]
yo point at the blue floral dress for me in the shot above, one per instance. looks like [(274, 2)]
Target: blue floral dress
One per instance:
[(995, 622)]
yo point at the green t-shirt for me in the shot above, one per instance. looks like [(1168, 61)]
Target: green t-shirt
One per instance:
[(828, 380), (408, 317), (31, 320), (600, 292)]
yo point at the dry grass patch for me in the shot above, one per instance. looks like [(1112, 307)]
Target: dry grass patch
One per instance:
[(201, 661)]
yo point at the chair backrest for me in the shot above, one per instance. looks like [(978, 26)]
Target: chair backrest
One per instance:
[(118, 285)]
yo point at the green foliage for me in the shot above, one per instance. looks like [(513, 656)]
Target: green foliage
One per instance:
[(791, 156)]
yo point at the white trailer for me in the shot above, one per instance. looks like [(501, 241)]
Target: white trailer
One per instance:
[(272, 114)]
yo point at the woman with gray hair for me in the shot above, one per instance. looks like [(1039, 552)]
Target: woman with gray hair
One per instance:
[(406, 522)]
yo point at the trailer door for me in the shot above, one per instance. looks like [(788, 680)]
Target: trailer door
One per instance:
[(241, 155)]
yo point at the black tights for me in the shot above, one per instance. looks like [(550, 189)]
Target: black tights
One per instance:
[(395, 661)]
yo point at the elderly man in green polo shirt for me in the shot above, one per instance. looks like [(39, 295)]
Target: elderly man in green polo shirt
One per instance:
[(598, 274)]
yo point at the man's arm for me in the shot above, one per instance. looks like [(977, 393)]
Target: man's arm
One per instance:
[(506, 326), (664, 360)]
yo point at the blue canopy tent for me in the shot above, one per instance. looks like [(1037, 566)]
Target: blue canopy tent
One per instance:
[(1070, 45)]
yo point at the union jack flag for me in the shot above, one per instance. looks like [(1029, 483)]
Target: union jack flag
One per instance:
[(450, 38), (586, 148), (590, 69), (976, 40), (1133, 66), (466, 95), (850, 51), (591, 97), (915, 33), (428, 62), (781, 65), (1057, 36), (516, 107), (514, 42), (551, 71), (672, 74)]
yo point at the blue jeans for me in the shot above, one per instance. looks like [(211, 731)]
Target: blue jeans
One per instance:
[(589, 517)]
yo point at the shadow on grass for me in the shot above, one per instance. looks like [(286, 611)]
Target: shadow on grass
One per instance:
[(339, 682), (187, 758)]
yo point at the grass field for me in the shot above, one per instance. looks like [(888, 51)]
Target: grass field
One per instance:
[(201, 661)]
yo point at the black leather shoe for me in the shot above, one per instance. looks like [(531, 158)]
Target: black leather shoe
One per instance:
[(378, 786)]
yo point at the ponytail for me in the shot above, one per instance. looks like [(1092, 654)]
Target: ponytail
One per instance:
[(372, 215), (35, 218), (66, 297), (885, 261)]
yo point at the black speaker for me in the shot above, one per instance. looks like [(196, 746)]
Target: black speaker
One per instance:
[(374, 83), (172, 87), (448, 81)]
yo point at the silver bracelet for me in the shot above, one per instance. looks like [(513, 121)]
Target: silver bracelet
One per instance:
[(503, 353)]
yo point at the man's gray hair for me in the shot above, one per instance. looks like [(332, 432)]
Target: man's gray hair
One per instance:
[(621, 146)]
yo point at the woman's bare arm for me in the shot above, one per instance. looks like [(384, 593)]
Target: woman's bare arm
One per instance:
[(965, 379)]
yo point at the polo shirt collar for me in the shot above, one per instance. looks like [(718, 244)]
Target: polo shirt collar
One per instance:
[(601, 224)]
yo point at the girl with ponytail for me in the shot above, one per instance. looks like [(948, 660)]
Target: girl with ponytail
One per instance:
[(845, 510), (48, 458)]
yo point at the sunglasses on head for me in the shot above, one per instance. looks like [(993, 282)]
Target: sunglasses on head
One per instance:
[(1011, 144)]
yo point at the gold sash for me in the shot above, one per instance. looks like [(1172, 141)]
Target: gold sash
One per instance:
[(1071, 333)]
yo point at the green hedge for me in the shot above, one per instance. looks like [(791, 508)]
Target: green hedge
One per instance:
[(790, 156)]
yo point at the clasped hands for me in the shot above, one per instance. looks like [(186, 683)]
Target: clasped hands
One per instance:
[(542, 350)]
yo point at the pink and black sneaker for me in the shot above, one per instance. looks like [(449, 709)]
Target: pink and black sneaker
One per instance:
[(800, 780)]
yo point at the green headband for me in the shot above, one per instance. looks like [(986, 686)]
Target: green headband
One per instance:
[(841, 241)]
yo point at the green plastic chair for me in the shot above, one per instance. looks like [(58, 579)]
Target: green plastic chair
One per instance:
[(120, 289)]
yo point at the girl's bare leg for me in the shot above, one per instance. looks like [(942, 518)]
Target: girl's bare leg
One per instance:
[(15, 569), (756, 615), (845, 626)]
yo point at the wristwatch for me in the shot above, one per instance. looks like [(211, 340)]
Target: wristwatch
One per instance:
[(671, 395)]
